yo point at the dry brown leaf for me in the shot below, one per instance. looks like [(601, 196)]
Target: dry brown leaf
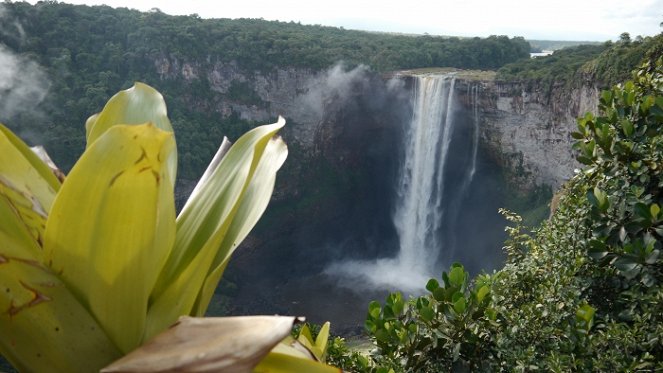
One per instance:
[(209, 344)]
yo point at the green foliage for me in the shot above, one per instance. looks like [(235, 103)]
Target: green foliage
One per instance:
[(561, 66), (441, 331), (91, 52), (337, 353), (606, 64)]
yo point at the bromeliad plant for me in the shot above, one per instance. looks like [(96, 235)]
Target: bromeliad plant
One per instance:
[(96, 265)]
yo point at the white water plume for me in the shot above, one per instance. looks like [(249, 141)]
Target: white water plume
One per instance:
[(420, 208), (419, 214)]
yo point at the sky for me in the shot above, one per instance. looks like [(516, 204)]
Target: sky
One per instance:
[(594, 20)]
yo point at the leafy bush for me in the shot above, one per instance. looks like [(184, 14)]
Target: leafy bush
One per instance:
[(436, 332)]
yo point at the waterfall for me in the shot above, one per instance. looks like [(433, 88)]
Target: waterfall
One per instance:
[(474, 94), (438, 166), (420, 210), (457, 200)]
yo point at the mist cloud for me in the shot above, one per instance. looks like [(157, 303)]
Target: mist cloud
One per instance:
[(337, 83), (23, 82), (10, 28)]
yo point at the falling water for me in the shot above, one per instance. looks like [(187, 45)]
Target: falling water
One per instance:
[(429, 192), (457, 200), (418, 216), (474, 94)]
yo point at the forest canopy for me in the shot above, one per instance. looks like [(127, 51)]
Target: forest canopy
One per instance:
[(88, 53)]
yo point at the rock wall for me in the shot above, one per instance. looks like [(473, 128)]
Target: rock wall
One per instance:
[(280, 92), (528, 130), (525, 129)]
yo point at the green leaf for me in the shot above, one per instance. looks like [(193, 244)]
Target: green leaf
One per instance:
[(112, 227), (374, 309), (585, 313), (457, 276), (283, 363), (627, 127), (439, 294), (432, 285), (305, 335), (577, 135), (598, 199), (606, 97), (654, 210), (460, 305), (643, 211), (482, 292), (597, 252), (625, 264), (427, 314), (652, 258)]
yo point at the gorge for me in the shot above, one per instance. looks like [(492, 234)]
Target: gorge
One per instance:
[(505, 141), (338, 193)]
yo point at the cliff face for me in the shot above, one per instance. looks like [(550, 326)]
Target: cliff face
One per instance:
[(251, 95), (529, 132), (526, 130)]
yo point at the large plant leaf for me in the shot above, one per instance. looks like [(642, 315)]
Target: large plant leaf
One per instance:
[(44, 326), (22, 220), (206, 219), (252, 206), (41, 153), (28, 174), (227, 344), (112, 226), (136, 105)]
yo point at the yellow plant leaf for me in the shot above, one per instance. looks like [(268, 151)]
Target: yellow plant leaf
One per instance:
[(204, 222), (136, 105), (112, 226), (277, 362), (305, 338), (252, 206), (23, 221), (28, 174), (42, 322), (322, 339)]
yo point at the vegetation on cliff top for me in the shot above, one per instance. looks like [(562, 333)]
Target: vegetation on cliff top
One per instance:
[(605, 64), (91, 52)]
